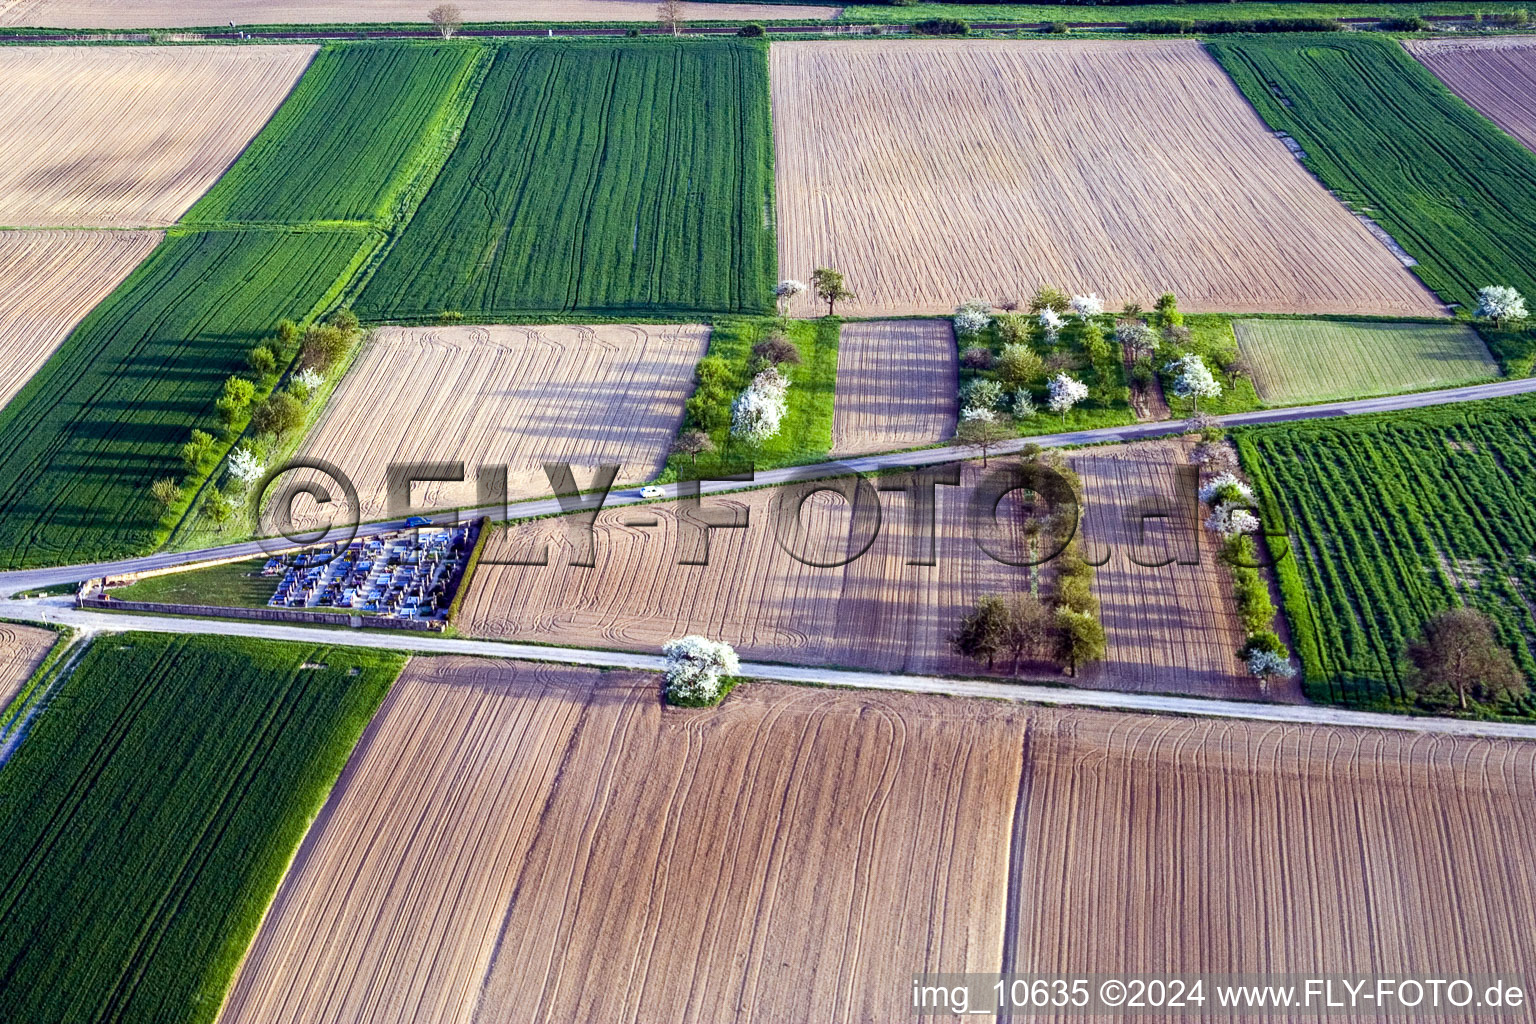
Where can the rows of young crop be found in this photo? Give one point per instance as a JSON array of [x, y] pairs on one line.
[[106, 416], [1377, 127], [1393, 519], [152, 811], [601, 179], [362, 125]]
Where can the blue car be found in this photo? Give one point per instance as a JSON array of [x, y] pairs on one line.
[[418, 521]]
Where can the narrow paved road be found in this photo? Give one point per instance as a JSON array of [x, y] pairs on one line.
[[12, 582], [62, 610]]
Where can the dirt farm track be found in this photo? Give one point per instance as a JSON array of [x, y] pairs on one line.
[[1223, 216], [514, 842]]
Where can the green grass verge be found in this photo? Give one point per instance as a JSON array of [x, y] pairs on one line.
[[597, 177], [231, 585], [1304, 361], [805, 435], [361, 130], [107, 414], [1210, 336], [1380, 130], [1514, 348], [1392, 518], [152, 810], [887, 14]]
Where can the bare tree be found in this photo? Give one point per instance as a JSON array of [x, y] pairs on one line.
[[447, 18], [670, 14]]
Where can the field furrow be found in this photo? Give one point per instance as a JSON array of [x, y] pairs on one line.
[[129, 136], [1177, 187], [22, 649], [128, 14], [897, 386], [1497, 76]]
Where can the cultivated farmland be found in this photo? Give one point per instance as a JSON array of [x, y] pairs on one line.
[[1497, 76], [601, 178], [129, 136], [1389, 138], [1298, 361], [876, 612], [22, 649], [920, 220], [1171, 628], [159, 798], [1393, 519], [49, 280], [1167, 845], [128, 14], [106, 416], [515, 397], [375, 923], [364, 125], [896, 386]]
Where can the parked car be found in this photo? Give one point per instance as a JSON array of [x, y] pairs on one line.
[[418, 521], [652, 492]]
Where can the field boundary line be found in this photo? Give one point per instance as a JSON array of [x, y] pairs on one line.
[[62, 611]]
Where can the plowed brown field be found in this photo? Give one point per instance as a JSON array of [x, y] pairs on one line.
[[216, 13], [516, 397], [897, 386], [1157, 845], [1171, 628], [1125, 168], [792, 856], [49, 280], [129, 136], [876, 612], [1497, 76], [22, 649]]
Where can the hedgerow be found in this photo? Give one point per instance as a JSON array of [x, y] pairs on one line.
[[152, 810]]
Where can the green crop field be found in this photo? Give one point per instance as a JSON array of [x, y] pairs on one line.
[[1392, 519], [233, 584], [362, 128], [1085, 13], [106, 415], [152, 810], [1301, 361], [1378, 128], [594, 177]]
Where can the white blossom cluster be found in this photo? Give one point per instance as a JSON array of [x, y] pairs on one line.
[[972, 317], [1051, 322], [1193, 378], [982, 393], [1225, 487], [244, 467], [758, 410], [1268, 663], [1136, 336], [1065, 392], [1500, 302], [1087, 306], [787, 289], [1230, 500], [696, 667], [973, 413], [307, 381]]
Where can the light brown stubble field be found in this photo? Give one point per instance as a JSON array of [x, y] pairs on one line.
[[1158, 845], [49, 281], [513, 842], [22, 649], [129, 136], [1497, 76], [935, 171], [1171, 629], [897, 386], [515, 397], [125, 14]]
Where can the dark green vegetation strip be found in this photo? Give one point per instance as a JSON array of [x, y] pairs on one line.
[[1085, 13], [1392, 519], [597, 178], [106, 415], [151, 813], [357, 132], [1455, 191]]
